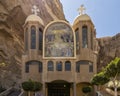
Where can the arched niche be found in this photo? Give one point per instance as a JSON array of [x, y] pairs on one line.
[[59, 41]]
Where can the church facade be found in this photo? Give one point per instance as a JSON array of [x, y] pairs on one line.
[[61, 56]]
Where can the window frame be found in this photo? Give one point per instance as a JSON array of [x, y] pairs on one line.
[[50, 66], [27, 65], [84, 36], [67, 66], [58, 66], [33, 37]]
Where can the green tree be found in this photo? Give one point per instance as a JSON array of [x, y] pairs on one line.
[[112, 71], [86, 90], [31, 86], [99, 79]]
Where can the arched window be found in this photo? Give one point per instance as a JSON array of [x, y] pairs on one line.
[[33, 37], [40, 39], [84, 37], [77, 41], [67, 66], [26, 40], [27, 65], [59, 66], [84, 62], [50, 66]]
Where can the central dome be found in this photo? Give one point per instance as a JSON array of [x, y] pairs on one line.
[[33, 18]]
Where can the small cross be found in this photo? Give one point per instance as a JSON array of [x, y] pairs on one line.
[[81, 9], [35, 10]]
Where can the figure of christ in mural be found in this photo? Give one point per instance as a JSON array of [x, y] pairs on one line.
[[58, 34]]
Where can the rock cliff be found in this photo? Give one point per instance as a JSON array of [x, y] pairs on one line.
[[12, 17], [109, 48]]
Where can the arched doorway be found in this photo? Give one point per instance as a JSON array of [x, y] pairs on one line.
[[59, 88]]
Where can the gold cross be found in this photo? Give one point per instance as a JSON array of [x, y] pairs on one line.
[[81, 10], [35, 10]]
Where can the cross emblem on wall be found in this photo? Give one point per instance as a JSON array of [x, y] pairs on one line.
[[81, 10], [35, 10]]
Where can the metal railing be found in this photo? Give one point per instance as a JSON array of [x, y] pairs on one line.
[[22, 94], [6, 92]]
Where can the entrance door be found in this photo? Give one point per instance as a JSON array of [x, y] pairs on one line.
[[58, 89]]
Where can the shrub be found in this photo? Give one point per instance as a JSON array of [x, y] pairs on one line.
[[37, 86], [87, 89], [31, 86], [27, 85]]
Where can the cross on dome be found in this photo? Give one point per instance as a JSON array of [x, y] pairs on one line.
[[35, 10], [81, 10]]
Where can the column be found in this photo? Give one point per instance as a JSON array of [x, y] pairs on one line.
[[44, 89], [44, 77], [63, 66], [74, 88], [71, 91]]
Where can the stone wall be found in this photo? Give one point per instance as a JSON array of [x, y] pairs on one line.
[[12, 17]]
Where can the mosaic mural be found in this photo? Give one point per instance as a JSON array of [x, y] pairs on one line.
[[59, 40]]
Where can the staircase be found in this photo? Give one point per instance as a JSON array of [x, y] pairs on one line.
[[14, 93], [10, 92]]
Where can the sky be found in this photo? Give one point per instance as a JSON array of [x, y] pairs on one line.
[[105, 14]]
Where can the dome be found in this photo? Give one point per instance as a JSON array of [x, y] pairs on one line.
[[34, 17], [83, 17]]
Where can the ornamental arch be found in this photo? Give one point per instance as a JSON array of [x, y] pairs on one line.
[[59, 40]]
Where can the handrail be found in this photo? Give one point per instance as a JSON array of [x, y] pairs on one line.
[[6, 92], [99, 94], [21, 94]]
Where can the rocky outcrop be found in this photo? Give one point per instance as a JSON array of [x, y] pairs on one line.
[[12, 17], [109, 48]]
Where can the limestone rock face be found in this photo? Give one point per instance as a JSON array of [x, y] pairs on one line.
[[109, 48], [12, 17]]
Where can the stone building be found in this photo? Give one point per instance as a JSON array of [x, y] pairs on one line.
[[61, 56]]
